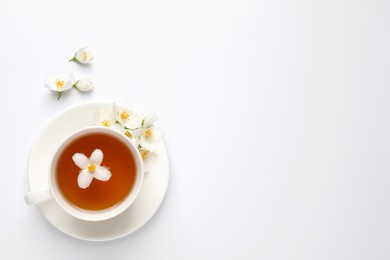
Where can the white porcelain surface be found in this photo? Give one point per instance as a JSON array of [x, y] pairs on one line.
[[148, 201]]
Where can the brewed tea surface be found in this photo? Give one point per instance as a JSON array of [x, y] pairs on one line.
[[99, 195]]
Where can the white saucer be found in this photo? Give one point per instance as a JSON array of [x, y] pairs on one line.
[[151, 196]]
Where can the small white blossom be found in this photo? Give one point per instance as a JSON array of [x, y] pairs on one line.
[[83, 55], [146, 154], [58, 84], [90, 168], [108, 119], [147, 134], [84, 85], [105, 118], [127, 117]]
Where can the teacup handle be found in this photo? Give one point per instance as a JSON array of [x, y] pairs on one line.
[[35, 197]]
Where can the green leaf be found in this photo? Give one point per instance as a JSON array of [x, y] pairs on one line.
[[75, 85], [74, 59]]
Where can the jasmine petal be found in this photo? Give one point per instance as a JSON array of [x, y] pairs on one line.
[[80, 160], [96, 157], [149, 120], [102, 173], [84, 179]]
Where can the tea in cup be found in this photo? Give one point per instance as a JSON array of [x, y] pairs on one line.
[[95, 174]]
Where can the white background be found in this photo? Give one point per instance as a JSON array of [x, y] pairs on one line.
[[275, 115]]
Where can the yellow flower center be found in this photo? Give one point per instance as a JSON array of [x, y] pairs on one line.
[[59, 83], [128, 134], [91, 167], [85, 56], [144, 154], [124, 115], [148, 132], [106, 123]]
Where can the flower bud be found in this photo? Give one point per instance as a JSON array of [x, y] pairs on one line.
[[84, 85]]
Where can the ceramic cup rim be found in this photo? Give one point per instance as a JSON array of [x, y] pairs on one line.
[[96, 215]]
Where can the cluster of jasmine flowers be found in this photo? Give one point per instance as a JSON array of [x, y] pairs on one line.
[[60, 84], [139, 129]]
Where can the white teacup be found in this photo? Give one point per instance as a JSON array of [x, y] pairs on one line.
[[53, 190]]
